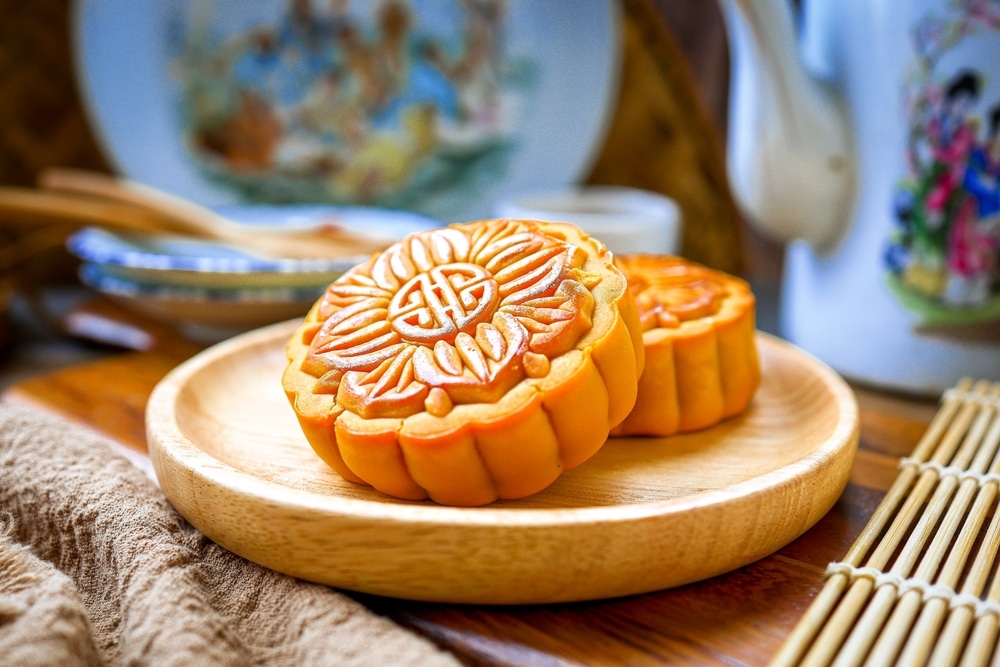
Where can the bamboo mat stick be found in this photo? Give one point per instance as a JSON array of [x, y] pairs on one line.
[[872, 622], [911, 604], [983, 640], [928, 640], [842, 621], [977, 652], [928, 540], [819, 611], [903, 607], [829, 619], [866, 630], [960, 618], [927, 635]]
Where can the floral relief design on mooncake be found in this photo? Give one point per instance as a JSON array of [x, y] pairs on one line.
[[674, 292], [450, 312], [512, 346]]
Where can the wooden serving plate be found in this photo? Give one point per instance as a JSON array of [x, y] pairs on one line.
[[643, 514]]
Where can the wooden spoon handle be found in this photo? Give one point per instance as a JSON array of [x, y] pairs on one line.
[[186, 215], [24, 205], [189, 218]]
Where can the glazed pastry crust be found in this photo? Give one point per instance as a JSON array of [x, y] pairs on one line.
[[468, 364], [699, 333]]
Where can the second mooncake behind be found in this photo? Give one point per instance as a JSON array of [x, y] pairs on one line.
[[699, 335]]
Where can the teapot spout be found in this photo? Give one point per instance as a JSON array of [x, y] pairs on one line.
[[790, 148]]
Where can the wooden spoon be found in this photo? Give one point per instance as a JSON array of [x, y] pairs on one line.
[[28, 206], [181, 216]]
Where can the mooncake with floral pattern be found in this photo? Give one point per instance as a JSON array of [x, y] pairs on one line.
[[468, 363]]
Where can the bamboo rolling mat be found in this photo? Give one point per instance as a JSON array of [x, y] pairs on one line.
[[921, 583]]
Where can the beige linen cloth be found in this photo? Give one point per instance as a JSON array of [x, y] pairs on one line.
[[97, 568]]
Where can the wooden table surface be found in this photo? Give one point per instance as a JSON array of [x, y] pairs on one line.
[[740, 618]]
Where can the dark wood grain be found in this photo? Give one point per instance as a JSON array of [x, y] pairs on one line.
[[738, 618], [108, 395]]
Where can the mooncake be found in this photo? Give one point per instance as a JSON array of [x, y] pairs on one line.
[[698, 327], [468, 363]]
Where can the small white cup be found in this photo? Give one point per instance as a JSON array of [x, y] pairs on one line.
[[626, 220]]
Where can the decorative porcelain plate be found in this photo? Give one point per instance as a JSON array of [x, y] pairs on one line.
[[437, 106], [179, 261], [206, 315], [641, 515]]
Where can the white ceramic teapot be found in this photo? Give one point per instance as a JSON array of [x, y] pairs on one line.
[[872, 146]]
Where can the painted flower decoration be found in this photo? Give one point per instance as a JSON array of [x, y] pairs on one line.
[[450, 332], [983, 12]]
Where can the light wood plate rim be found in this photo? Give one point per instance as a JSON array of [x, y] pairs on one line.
[[171, 451]]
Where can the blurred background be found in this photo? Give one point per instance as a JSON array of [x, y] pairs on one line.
[[664, 133]]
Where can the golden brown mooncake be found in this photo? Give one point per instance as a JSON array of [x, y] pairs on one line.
[[699, 334], [468, 363]]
